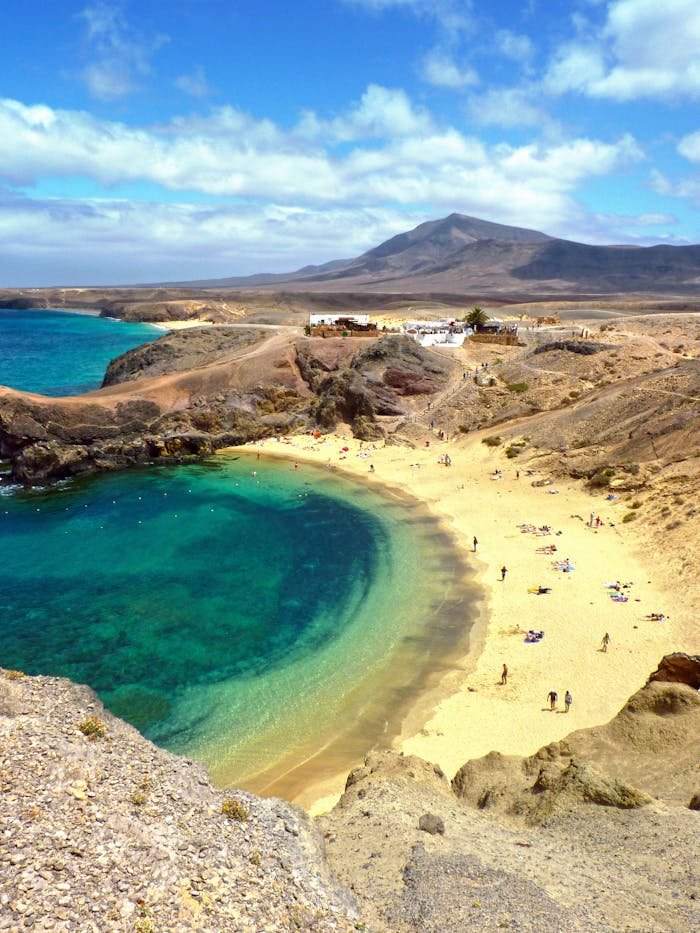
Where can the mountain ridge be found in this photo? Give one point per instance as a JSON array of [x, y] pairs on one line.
[[459, 252]]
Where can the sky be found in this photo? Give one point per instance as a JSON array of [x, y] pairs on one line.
[[150, 141]]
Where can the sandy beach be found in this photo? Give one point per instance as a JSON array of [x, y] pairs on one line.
[[472, 712]]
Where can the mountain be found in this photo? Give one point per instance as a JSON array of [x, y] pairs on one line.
[[461, 254]]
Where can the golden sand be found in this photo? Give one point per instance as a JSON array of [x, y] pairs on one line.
[[473, 713]]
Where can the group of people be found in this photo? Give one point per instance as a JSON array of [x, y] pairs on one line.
[[553, 696]]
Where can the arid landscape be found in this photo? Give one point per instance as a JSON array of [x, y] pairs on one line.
[[486, 813]]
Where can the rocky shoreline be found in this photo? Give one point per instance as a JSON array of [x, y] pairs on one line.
[[191, 393]]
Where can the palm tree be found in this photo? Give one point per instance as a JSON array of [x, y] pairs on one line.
[[476, 318]]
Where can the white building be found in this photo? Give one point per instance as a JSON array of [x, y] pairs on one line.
[[446, 333]]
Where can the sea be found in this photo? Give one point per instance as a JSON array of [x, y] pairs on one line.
[[275, 622]]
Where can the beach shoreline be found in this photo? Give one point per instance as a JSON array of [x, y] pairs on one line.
[[469, 712]]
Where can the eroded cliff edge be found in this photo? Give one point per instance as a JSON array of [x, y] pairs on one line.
[[191, 393]]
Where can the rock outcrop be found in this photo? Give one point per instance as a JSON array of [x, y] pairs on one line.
[[193, 392], [624, 764], [678, 668], [181, 351], [100, 830], [592, 833]]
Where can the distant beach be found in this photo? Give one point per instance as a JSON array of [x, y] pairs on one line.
[[471, 712]]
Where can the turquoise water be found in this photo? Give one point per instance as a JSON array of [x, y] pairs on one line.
[[57, 353], [244, 612], [238, 618]]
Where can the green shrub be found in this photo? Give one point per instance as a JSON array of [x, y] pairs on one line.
[[582, 442], [493, 440], [518, 387], [93, 727], [574, 393], [629, 517], [234, 810], [513, 451], [602, 476]]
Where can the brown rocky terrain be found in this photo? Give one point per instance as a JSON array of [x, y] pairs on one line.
[[100, 830], [236, 388], [592, 833]]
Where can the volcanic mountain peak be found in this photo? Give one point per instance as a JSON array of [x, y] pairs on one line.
[[438, 238]]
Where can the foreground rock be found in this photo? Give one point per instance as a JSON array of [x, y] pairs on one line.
[[191, 393], [100, 830], [596, 833], [104, 831]]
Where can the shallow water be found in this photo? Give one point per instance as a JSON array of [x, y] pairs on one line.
[[57, 353], [248, 620], [274, 622]]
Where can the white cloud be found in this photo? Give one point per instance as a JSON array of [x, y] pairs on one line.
[[453, 16], [508, 107], [398, 156], [645, 49], [689, 147], [370, 167], [120, 57], [514, 45], [54, 242], [688, 188], [440, 69], [194, 84], [576, 67]]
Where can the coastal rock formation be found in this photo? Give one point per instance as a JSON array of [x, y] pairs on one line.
[[622, 764], [193, 392], [180, 351], [575, 837], [100, 830], [678, 668]]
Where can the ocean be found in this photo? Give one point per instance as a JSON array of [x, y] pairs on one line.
[[271, 621], [56, 353]]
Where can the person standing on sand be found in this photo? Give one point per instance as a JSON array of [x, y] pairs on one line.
[[504, 571], [552, 697], [475, 542], [568, 700], [504, 675], [605, 642]]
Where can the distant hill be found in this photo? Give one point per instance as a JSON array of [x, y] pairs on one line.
[[464, 254]]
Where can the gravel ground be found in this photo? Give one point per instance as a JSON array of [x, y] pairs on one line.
[[102, 833]]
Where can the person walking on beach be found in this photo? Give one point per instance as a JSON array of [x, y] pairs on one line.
[[504, 675], [604, 643], [552, 697], [475, 542], [568, 700], [504, 571]]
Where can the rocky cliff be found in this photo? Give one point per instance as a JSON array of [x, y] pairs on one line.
[[191, 393], [100, 830], [595, 833]]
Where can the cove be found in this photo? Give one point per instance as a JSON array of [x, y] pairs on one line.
[[243, 612]]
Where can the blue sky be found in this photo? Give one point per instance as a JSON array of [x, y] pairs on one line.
[[152, 141]]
